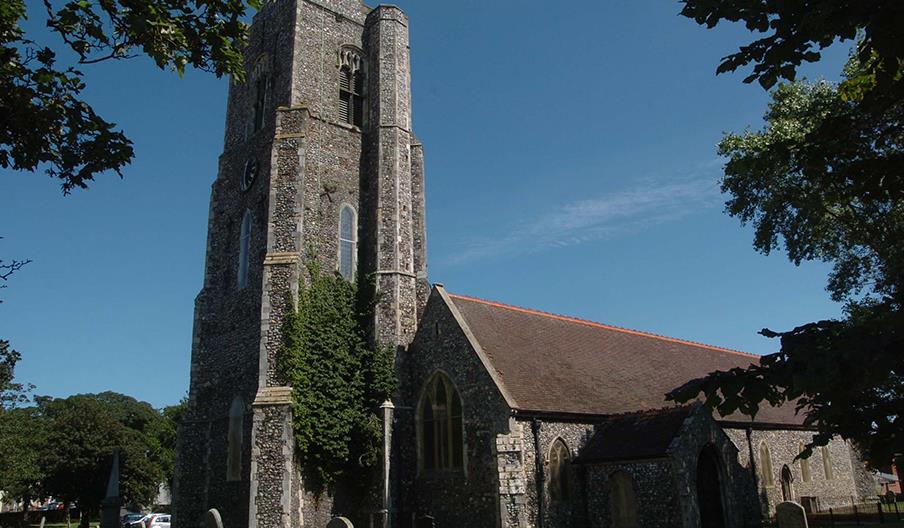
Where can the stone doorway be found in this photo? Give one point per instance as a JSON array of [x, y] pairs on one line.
[[787, 488], [709, 490]]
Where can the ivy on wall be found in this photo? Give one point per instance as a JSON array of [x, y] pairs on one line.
[[338, 380]]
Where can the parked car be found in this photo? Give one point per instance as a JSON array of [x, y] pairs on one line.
[[127, 519], [140, 522], [158, 520]]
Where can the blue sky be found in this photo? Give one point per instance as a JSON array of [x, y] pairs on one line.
[[570, 167]]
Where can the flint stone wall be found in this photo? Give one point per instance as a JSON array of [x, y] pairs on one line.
[[459, 498], [784, 447]]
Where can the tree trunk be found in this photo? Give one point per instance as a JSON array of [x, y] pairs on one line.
[[68, 519]]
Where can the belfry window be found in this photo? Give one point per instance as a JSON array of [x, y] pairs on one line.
[[244, 246], [234, 439], [559, 458], [766, 466], [441, 442], [351, 88], [347, 242]]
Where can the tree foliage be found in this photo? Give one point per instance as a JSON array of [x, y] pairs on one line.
[[338, 381], [46, 122], [22, 440], [82, 433], [794, 32], [824, 180], [64, 448], [164, 431]]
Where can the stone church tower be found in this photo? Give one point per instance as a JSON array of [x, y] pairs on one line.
[[319, 161]]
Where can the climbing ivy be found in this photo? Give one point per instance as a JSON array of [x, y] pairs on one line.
[[338, 380]]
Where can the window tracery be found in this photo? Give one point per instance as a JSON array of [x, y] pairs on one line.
[[559, 459], [441, 442]]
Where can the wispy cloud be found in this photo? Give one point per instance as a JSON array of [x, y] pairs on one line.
[[614, 214]]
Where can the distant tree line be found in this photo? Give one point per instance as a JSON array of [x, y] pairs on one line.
[[63, 447]]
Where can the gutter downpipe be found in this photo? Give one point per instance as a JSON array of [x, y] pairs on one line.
[[540, 473]]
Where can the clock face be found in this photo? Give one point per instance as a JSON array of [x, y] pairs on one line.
[[248, 174]]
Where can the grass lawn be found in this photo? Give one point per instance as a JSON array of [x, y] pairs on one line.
[[93, 524]]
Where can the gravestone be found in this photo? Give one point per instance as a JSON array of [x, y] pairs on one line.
[[339, 522], [212, 519], [790, 515]]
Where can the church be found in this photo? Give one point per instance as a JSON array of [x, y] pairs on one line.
[[505, 416]]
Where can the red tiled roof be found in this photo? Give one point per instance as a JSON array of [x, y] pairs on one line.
[[558, 364]]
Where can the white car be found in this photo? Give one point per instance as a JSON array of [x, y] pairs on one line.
[[152, 520], [158, 520]]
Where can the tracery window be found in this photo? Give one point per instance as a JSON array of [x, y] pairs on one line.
[[559, 458], [234, 439], [622, 500], [244, 246], [766, 466], [441, 440], [348, 241], [351, 87], [804, 465], [826, 462]]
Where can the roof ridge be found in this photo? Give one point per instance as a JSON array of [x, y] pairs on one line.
[[603, 326]]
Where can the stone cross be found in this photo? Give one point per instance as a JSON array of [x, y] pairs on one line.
[[790, 515]]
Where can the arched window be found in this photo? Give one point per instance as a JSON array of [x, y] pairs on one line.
[[787, 484], [351, 87], [804, 465], [234, 439], [244, 246], [826, 462], [441, 441], [348, 238], [622, 500], [766, 466], [260, 102], [557, 482]]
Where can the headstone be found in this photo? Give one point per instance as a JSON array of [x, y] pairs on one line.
[[790, 515], [212, 519], [111, 503], [339, 522]]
